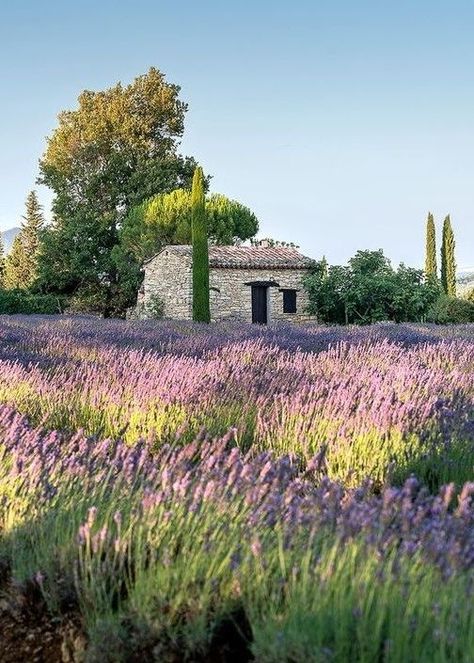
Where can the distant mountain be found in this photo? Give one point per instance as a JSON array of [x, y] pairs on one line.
[[468, 272], [8, 236], [465, 280]]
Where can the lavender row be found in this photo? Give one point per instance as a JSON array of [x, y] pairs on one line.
[[40, 469], [383, 401]]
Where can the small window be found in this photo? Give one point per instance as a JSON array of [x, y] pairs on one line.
[[289, 301]]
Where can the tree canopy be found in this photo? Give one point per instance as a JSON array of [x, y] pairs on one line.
[[166, 219], [116, 149]]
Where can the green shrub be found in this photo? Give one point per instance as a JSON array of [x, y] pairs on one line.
[[451, 310], [369, 290], [155, 308], [85, 301], [22, 301]]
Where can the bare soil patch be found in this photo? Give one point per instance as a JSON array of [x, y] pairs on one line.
[[29, 634]]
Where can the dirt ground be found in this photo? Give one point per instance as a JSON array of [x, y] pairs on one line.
[[29, 635]]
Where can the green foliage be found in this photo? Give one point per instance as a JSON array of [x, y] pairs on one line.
[[412, 294], [155, 308], [451, 310], [360, 614], [201, 311], [118, 148], [21, 264], [371, 287], [431, 267], [21, 301], [14, 263], [163, 219], [152, 310], [228, 221], [328, 293], [368, 290], [448, 261], [166, 219], [128, 279]]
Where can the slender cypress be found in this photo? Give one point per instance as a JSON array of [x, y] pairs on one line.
[[431, 267], [201, 312], [448, 261]]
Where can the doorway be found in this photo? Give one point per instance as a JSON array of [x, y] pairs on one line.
[[259, 304]]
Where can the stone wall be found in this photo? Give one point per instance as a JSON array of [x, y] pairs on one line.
[[168, 277], [233, 300]]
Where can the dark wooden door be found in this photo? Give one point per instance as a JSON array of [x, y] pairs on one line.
[[259, 304]]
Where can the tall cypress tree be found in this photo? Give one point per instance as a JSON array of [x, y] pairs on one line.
[[431, 267], [21, 265], [448, 261], [201, 311]]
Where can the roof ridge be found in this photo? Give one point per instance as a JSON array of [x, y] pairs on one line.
[[238, 256]]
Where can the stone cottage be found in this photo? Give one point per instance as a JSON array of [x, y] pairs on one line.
[[257, 284]]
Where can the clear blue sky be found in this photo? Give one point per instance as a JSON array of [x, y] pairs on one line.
[[339, 123]]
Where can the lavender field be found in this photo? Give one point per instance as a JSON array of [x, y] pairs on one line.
[[175, 492]]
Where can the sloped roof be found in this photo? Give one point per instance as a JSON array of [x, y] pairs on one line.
[[246, 257]]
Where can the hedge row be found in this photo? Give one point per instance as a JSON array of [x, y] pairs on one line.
[[20, 301]]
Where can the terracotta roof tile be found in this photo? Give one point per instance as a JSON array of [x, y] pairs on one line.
[[251, 257]]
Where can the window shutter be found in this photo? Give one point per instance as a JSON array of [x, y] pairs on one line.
[[289, 301]]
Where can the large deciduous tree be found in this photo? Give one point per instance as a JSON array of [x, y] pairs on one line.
[[448, 260], [431, 266], [117, 148], [21, 264], [201, 312]]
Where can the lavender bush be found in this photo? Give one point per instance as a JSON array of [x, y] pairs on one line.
[[384, 401], [168, 481]]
